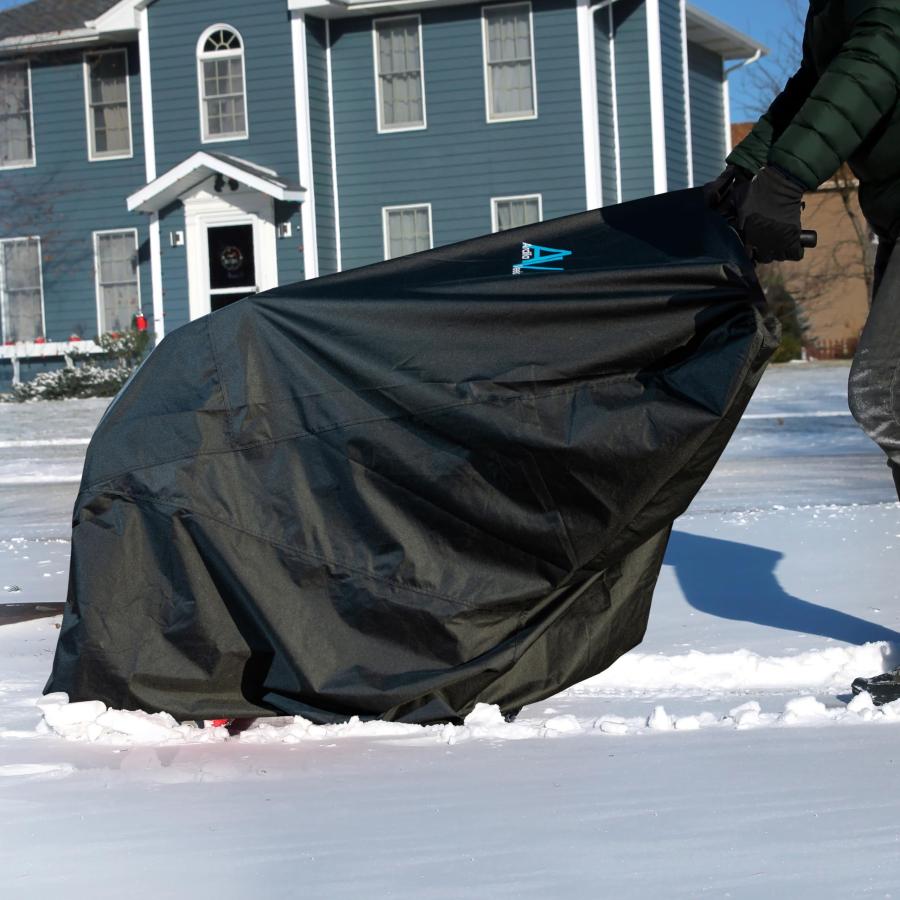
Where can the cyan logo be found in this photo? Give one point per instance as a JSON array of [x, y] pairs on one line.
[[537, 259]]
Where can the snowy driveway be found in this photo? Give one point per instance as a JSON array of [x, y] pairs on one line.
[[719, 759]]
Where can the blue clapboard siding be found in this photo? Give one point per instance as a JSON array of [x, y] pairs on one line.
[[320, 134], [633, 92], [460, 161], [174, 268], [605, 105], [264, 26], [671, 38], [65, 198], [707, 113]]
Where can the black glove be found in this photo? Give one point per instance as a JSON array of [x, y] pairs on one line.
[[728, 191], [769, 217]]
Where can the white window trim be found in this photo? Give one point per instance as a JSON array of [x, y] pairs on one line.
[[384, 226], [495, 224], [204, 130], [93, 156], [137, 269], [13, 240], [485, 67], [24, 165], [379, 109]]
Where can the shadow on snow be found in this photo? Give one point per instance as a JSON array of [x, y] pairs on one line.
[[738, 581]]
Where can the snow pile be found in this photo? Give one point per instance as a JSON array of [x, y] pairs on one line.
[[90, 720], [695, 672]]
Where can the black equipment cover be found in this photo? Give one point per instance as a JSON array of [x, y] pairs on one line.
[[406, 488]]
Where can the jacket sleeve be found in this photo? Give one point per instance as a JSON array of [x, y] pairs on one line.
[[859, 87], [753, 152]]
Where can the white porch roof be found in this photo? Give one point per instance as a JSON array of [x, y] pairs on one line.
[[201, 165]]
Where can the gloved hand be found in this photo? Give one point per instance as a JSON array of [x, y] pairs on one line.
[[726, 193], [769, 216]]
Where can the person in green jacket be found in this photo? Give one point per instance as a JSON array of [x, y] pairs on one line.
[[841, 106]]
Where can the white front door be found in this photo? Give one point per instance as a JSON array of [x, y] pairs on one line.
[[230, 238]]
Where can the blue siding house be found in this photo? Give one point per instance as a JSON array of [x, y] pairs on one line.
[[165, 157]]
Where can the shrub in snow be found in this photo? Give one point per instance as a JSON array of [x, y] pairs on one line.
[[77, 381]]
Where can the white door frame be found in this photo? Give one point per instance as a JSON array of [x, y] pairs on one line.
[[204, 208]]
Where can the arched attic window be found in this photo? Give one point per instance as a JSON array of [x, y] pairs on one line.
[[220, 70]]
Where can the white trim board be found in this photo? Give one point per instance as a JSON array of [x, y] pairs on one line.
[[590, 108], [308, 223], [686, 80], [336, 200], [615, 102], [657, 106]]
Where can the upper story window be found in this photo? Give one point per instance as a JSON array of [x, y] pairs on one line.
[[407, 229], [509, 62], [118, 286], [21, 290], [512, 212], [108, 104], [223, 95], [16, 124], [399, 73]]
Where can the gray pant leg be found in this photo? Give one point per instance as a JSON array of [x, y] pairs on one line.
[[875, 374]]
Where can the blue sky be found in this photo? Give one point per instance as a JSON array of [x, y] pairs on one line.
[[766, 20]]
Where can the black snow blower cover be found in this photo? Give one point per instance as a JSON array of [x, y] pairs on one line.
[[406, 488]]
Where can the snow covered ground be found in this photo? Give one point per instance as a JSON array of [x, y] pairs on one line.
[[719, 759]]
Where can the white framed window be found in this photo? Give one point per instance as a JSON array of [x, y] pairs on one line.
[[399, 73], [512, 212], [509, 73], [223, 85], [107, 104], [16, 117], [21, 290], [117, 277], [407, 229]]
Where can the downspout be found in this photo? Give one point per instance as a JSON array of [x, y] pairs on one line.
[[726, 93]]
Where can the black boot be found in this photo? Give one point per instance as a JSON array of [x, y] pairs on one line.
[[895, 469], [882, 688]]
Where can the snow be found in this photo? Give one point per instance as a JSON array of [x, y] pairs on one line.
[[724, 757]]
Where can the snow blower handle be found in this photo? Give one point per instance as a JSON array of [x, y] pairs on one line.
[[809, 239]]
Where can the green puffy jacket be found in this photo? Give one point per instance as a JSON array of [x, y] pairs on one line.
[[840, 106]]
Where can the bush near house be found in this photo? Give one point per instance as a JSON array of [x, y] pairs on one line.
[[123, 352]]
